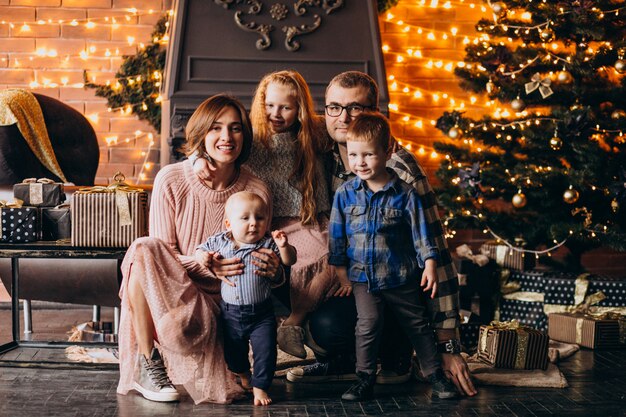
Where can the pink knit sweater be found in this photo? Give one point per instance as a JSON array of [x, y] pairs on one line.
[[184, 211]]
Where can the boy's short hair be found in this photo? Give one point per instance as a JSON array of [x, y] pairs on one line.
[[243, 196], [371, 127]]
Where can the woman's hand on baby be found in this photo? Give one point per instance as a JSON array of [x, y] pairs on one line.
[[267, 262], [203, 257], [223, 268]]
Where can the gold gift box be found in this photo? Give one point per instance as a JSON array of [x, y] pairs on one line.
[[507, 257]]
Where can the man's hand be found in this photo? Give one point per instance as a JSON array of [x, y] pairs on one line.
[[345, 287], [267, 262], [457, 371]]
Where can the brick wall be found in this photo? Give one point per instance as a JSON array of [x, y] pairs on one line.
[[25, 60]]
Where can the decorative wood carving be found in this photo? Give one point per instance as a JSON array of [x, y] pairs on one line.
[[279, 12]]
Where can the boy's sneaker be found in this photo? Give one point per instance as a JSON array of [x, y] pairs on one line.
[[318, 372], [152, 381], [441, 386], [362, 390]]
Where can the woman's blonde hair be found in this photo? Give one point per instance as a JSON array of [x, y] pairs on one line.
[[203, 118], [309, 128]]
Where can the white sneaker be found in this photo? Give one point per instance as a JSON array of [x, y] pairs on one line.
[[153, 382]]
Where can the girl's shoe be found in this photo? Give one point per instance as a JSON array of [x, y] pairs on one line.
[[291, 340]]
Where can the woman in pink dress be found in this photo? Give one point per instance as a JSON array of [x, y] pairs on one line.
[[169, 324]]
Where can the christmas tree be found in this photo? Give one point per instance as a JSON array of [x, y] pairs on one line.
[[548, 166], [139, 79]]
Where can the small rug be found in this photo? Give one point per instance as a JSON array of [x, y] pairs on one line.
[[110, 355], [484, 374]]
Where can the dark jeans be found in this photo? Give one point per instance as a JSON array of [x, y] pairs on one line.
[[333, 326], [409, 305], [253, 324]]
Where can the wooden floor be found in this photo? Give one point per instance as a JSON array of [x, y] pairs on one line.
[[597, 388]]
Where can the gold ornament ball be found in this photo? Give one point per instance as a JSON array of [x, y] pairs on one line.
[[546, 34], [556, 143], [519, 200], [620, 65], [518, 105], [570, 196], [618, 114], [455, 133], [614, 206], [564, 77]]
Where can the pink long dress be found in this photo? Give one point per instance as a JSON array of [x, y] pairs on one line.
[[180, 293]]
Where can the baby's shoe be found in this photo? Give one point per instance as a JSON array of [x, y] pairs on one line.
[[291, 340]]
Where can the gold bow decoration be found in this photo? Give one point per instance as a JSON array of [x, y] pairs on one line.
[[537, 83], [583, 304], [16, 203], [35, 188], [121, 189], [465, 252], [521, 350]]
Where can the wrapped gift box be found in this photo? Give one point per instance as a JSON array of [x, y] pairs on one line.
[[530, 281], [594, 332], [525, 307], [93, 331], [570, 290], [505, 345], [55, 223], [111, 216], [39, 194], [469, 335], [19, 224], [507, 257]]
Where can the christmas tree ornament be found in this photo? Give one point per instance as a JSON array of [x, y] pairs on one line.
[[620, 65], [564, 77], [537, 83], [498, 8], [618, 187], [618, 114], [519, 199], [455, 132], [570, 196], [491, 87], [556, 142], [469, 180], [518, 105], [614, 205], [546, 34]]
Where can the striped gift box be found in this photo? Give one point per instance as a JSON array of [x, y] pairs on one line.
[[112, 216], [508, 345]]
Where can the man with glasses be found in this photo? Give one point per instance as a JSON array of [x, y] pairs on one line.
[[331, 326]]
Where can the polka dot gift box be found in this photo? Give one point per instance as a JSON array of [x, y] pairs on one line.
[[19, 224], [570, 290]]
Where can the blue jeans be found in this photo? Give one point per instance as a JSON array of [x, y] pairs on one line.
[[254, 324]]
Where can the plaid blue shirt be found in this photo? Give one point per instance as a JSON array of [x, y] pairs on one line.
[[444, 308], [382, 237]]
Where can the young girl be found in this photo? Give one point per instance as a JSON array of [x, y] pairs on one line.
[[288, 137]]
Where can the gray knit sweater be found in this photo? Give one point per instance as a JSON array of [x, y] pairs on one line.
[[275, 165]]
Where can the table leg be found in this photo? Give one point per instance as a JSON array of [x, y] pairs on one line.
[[15, 298], [28, 317], [116, 319], [95, 317]]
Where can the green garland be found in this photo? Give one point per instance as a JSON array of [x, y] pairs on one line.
[[138, 82]]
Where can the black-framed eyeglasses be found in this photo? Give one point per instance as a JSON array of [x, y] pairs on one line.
[[353, 110]]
